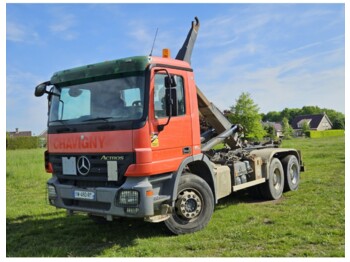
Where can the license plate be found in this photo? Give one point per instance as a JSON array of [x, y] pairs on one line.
[[80, 194]]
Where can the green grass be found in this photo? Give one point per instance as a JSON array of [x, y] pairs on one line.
[[307, 223]]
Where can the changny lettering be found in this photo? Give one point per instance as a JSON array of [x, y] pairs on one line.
[[77, 143]]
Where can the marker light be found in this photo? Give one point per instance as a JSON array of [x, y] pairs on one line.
[[149, 193], [51, 191], [166, 53], [132, 210]]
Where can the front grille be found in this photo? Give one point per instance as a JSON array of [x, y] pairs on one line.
[[87, 204], [97, 176]]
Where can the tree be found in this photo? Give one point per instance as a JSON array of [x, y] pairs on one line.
[[339, 123], [310, 110], [305, 127], [270, 131], [286, 129], [290, 113], [246, 113], [272, 116], [337, 118]]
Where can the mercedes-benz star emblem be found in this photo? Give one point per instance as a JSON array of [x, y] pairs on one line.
[[83, 165]]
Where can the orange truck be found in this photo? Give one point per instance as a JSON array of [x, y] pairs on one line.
[[124, 140]]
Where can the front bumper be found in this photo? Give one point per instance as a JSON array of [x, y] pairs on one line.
[[107, 201]]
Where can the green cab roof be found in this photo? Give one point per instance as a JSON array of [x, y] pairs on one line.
[[102, 70]]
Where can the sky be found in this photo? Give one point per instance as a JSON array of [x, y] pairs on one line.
[[283, 55]]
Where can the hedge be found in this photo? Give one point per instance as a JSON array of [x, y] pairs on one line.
[[325, 133], [25, 142]]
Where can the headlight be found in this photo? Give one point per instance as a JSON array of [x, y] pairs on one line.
[[51, 191], [128, 198]]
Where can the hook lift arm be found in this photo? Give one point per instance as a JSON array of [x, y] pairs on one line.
[[185, 52]]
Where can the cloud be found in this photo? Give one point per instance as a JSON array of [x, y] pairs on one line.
[[231, 28], [16, 32], [23, 109], [63, 25], [251, 51], [337, 40], [142, 35], [312, 15], [292, 84]]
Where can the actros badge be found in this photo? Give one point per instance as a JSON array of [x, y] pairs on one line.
[[83, 165]]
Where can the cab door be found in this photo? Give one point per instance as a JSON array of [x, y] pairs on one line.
[[174, 142]]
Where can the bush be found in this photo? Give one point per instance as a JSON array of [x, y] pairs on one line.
[[25, 142], [325, 133]]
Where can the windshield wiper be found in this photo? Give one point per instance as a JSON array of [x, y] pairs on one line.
[[98, 118]]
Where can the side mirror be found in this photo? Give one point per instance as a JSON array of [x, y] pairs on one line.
[[40, 89], [170, 105], [171, 101], [169, 81], [170, 97]]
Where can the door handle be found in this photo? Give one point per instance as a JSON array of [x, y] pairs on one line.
[[186, 150]]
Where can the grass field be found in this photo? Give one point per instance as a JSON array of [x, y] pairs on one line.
[[307, 223]]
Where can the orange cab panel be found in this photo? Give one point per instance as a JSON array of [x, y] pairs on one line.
[[91, 142]]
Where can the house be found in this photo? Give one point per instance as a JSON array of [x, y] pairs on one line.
[[18, 133], [277, 127], [317, 122]]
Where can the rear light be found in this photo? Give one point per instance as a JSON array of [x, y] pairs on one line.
[[48, 165]]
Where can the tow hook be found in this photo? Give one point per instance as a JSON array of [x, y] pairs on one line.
[[165, 212]]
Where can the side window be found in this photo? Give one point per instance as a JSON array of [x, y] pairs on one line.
[[159, 96]]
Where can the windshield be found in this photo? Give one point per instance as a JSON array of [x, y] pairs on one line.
[[120, 99]]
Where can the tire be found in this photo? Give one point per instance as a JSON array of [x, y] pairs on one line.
[[272, 189], [291, 169], [194, 206]]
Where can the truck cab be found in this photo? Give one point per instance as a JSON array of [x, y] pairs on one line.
[[117, 131]]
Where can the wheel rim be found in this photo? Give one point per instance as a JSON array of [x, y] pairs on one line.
[[293, 174], [189, 204], [277, 179]]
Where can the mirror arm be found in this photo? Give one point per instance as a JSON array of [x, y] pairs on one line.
[[161, 127]]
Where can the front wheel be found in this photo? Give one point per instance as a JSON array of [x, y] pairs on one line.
[[194, 206]]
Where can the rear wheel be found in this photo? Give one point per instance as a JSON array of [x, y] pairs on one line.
[[194, 206], [291, 169], [272, 189]]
